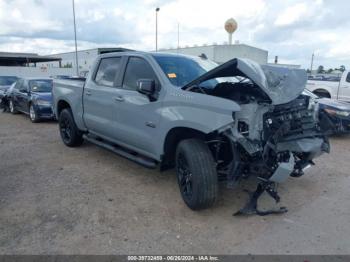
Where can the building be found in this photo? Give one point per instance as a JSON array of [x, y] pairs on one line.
[[85, 58], [218, 53], [29, 64], [290, 66], [222, 53]]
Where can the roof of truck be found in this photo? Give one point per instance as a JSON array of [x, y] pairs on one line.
[[153, 54], [36, 78]]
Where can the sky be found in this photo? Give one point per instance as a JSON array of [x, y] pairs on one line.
[[290, 29]]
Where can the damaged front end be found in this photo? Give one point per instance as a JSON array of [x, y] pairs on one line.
[[276, 134], [289, 141]]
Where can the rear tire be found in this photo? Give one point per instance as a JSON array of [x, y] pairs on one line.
[[12, 107], [70, 134], [196, 174]]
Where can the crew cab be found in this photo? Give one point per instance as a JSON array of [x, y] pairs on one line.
[[210, 122], [339, 90]]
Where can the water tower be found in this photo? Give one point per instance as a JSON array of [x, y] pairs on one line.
[[230, 27]]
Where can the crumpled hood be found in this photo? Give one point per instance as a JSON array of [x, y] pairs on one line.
[[281, 85]]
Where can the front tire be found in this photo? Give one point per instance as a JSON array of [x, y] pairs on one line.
[[70, 134], [196, 174], [33, 115], [12, 107]]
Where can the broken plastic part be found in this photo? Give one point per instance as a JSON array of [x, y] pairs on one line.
[[251, 208], [283, 170]]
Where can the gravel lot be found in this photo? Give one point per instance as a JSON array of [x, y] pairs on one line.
[[86, 200]]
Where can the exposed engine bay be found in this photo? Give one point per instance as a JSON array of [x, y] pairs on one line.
[[269, 138]]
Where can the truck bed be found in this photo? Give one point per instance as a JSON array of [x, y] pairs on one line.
[[71, 91]]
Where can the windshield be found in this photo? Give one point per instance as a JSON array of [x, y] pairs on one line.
[[181, 70], [41, 86], [7, 80]]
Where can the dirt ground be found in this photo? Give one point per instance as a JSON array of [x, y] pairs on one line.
[[86, 200]]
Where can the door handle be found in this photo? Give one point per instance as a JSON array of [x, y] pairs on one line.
[[88, 93], [119, 99]]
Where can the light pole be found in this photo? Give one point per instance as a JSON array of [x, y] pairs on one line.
[[312, 63], [75, 39], [157, 10]]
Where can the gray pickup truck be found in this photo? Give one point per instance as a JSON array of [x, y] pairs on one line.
[[210, 122]]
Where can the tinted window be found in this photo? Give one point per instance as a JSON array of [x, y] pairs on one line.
[[40, 86], [348, 78], [107, 71], [7, 80], [18, 84], [137, 69]]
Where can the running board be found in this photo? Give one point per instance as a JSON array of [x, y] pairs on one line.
[[146, 162]]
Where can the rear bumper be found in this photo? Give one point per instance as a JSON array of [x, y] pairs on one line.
[[44, 112]]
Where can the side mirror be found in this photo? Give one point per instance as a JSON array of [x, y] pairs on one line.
[[146, 87]]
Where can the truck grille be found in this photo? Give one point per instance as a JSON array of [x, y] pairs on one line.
[[290, 120]]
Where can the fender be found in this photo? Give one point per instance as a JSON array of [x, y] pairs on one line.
[[196, 111]]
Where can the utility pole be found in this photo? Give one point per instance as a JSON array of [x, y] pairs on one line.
[[157, 10], [312, 62], [75, 40], [178, 36]]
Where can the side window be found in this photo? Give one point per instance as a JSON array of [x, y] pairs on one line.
[[137, 69], [18, 84], [348, 78], [107, 71]]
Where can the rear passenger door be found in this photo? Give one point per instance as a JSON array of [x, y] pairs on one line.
[[23, 97], [99, 98]]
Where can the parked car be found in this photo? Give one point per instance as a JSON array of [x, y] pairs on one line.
[[60, 76], [32, 96], [5, 83], [336, 114], [339, 90], [231, 121], [4, 100]]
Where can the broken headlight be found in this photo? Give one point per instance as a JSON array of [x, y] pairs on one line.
[[337, 112]]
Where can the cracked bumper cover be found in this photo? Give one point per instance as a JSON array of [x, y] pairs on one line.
[[314, 146]]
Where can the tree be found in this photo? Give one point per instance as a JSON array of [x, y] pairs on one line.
[[68, 65], [342, 68], [308, 71], [330, 70], [320, 69]]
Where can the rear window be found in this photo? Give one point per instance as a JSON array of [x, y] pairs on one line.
[[107, 71], [40, 86]]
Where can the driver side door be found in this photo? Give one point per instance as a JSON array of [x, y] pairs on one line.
[[138, 117]]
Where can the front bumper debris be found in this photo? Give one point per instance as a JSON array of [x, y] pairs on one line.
[[251, 208]]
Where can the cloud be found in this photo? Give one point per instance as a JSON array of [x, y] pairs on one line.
[[291, 29], [292, 14]]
